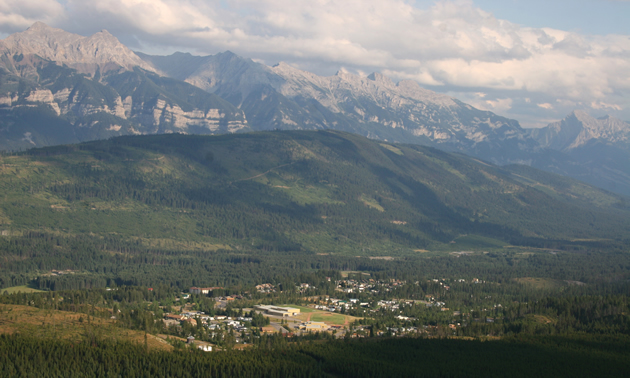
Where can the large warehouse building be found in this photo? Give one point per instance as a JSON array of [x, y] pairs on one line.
[[278, 311]]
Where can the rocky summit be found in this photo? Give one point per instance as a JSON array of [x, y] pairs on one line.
[[99, 52], [579, 128], [57, 87]]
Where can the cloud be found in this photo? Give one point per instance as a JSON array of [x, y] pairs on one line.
[[499, 105], [449, 46], [545, 105], [602, 105], [17, 15]]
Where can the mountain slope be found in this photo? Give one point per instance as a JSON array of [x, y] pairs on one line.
[[314, 192], [372, 106], [596, 151], [109, 92]]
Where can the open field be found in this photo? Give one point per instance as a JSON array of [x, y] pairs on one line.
[[331, 318], [344, 273], [22, 289], [48, 323], [541, 283], [327, 317]]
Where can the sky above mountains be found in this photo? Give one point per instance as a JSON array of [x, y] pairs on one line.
[[534, 61]]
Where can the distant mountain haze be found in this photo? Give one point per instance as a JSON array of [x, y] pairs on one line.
[[283, 97], [57, 87], [594, 150]]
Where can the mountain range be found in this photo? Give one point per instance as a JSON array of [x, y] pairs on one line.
[[57, 87]]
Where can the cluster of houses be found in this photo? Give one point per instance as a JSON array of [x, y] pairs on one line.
[[370, 285], [337, 305], [210, 322], [202, 290], [59, 272], [304, 287], [266, 288]]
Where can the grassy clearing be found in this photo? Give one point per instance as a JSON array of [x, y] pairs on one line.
[[393, 149], [18, 289], [37, 322], [330, 318], [472, 243], [328, 243], [541, 283], [345, 273], [298, 192], [183, 245], [543, 319], [371, 203]]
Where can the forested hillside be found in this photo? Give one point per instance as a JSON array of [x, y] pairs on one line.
[[295, 191], [235, 208]]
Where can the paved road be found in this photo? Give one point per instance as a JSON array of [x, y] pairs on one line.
[[279, 328]]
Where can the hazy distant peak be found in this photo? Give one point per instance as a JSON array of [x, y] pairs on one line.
[[228, 53], [581, 115], [579, 127], [344, 74], [281, 65], [39, 26], [101, 50], [380, 78]]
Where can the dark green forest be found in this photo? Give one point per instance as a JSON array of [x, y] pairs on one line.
[[511, 357], [548, 257]]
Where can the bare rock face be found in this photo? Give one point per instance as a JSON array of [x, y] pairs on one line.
[[578, 128], [101, 51]]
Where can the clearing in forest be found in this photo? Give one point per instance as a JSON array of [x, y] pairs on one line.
[[48, 323]]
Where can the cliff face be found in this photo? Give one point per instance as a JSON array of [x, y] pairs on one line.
[[97, 88]]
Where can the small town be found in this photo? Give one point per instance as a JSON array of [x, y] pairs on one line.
[[236, 321]]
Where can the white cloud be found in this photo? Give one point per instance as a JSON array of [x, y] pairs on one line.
[[17, 15], [599, 105], [499, 105], [452, 44], [545, 105]]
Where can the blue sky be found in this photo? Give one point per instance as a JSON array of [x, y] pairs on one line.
[[534, 61], [585, 16]]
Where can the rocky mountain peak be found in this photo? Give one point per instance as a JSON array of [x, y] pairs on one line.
[[381, 79], [344, 74], [578, 128], [581, 116], [38, 26], [86, 54]]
